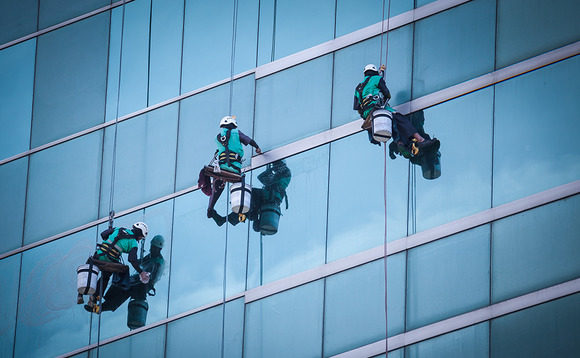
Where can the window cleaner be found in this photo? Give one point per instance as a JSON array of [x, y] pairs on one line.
[[226, 164], [372, 95]]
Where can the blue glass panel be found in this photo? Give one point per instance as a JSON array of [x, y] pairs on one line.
[[470, 342], [16, 83], [165, 55], [301, 24], [294, 103], [198, 335], [150, 343], [50, 322], [448, 277], [114, 322], [234, 328], [299, 244], [355, 305], [352, 15], [288, 324], [519, 36], [18, 19], [548, 330], [199, 124], [522, 170], [70, 83], [135, 59], [265, 31], [9, 267], [464, 127], [63, 187], [145, 159], [54, 11], [246, 35], [12, 198], [202, 35], [356, 207], [536, 249], [350, 62], [197, 254], [454, 46]]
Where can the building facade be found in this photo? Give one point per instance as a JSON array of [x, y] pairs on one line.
[[115, 106]]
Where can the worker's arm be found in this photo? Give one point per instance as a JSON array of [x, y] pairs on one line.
[[384, 89], [247, 140], [134, 261]]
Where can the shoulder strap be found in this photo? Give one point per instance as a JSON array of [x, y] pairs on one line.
[[362, 86]]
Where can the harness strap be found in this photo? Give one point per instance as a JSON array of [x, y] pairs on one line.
[[224, 140]]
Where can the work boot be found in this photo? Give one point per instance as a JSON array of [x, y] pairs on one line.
[[94, 309], [80, 299], [427, 143], [219, 220]]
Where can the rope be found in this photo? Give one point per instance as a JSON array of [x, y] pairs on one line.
[[385, 167], [232, 62]]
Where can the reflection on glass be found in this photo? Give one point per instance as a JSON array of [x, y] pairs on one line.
[[536, 249], [150, 343], [198, 335], [50, 323], [288, 324], [470, 342], [13, 195], [301, 238], [16, 84], [523, 168], [448, 277], [542, 331]]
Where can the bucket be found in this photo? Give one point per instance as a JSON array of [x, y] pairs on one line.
[[87, 279], [137, 313], [240, 199], [382, 125], [269, 218], [431, 165]]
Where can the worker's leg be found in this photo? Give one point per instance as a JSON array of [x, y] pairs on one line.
[[114, 298], [217, 189]]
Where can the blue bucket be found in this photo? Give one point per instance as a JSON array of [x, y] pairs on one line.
[[137, 313], [269, 218]]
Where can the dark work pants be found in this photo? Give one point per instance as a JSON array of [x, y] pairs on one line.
[[404, 127]]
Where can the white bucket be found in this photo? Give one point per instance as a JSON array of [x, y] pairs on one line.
[[236, 198], [382, 125], [87, 279]]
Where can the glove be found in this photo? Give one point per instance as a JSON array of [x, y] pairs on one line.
[[382, 68], [144, 276]]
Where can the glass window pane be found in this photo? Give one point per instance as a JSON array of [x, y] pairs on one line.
[[294, 103], [265, 30], [13, 196], [464, 127], [470, 342], [352, 15], [350, 62], [355, 305], [198, 334], [201, 35], [520, 37], [145, 159], [547, 330], [9, 299], [301, 24], [356, 216], [299, 244], [199, 124], [54, 11], [70, 82], [536, 249], [234, 328], [288, 324], [165, 55], [16, 83], [135, 59], [63, 187], [246, 36], [18, 19], [197, 254], [522, 170], [454, 46], [150, 343], [50, 322], [448, 277]]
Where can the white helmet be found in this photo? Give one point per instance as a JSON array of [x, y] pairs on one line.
[[370, 67], [141, 226], [227, 120]]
